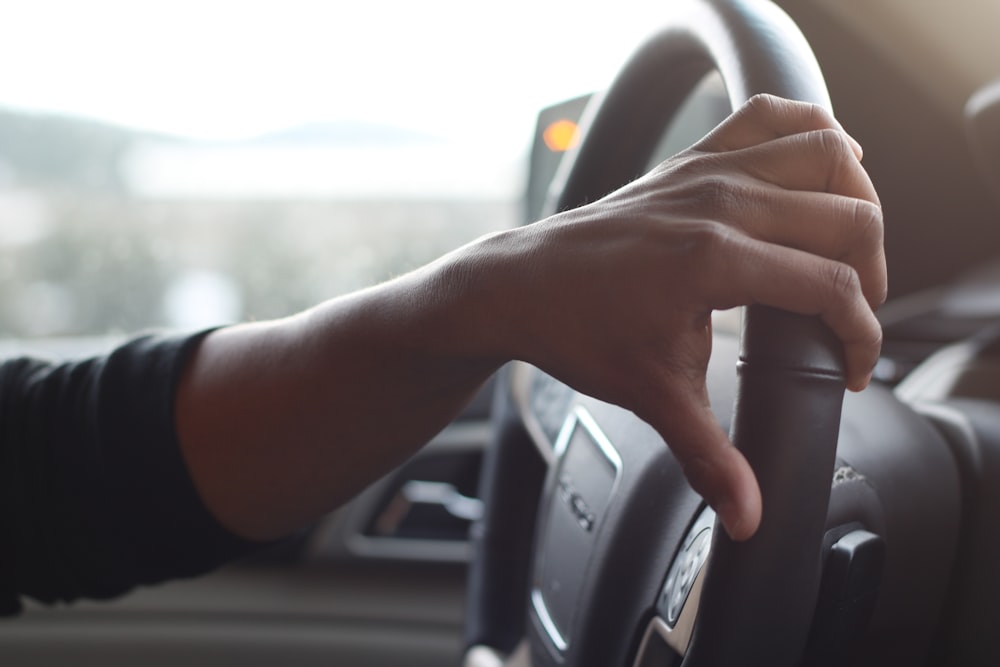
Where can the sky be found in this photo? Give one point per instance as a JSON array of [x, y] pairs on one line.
[[469, 72]]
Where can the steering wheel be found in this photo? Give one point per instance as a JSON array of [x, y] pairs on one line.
[[605, 535]]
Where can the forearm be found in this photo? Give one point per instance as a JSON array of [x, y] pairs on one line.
[[280, 422]]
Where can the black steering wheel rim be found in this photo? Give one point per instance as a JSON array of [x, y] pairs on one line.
[[757, 597]]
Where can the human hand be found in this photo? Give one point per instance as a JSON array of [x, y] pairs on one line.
[[772, 207]]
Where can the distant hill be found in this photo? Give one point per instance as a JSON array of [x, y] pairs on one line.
[[347, 133], [51, 150]]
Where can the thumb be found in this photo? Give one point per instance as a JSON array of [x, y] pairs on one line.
[[713, 466]]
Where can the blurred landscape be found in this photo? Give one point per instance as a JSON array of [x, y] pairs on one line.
[[106, 230]]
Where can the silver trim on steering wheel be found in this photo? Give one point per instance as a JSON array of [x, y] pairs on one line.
[[560, 489]]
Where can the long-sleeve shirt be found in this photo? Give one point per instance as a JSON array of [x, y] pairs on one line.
[[95, 497]]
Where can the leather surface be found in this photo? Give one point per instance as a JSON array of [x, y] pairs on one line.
[[788, 404], [789, 400]]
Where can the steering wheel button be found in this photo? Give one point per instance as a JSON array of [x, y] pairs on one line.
[[686, 566]]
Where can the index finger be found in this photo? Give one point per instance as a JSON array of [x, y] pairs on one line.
[[765, 118], [816, 160]]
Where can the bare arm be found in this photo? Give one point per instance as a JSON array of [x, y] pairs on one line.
[[282, 421]]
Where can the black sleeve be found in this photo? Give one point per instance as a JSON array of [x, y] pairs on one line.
[[96, 497]]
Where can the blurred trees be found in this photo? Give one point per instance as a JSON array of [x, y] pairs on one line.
[[81, 255]]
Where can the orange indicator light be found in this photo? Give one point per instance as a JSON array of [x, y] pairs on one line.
[[561, 135]]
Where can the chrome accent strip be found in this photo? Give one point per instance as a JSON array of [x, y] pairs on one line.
[[610, 453], [543, 616], [577, 416]]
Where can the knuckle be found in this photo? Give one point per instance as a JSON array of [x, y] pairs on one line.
[[705, 191], [710, 244], [870, 233], [719, 196], [867, 218], [818, 115], [761, 103], [831, 143], [843, 281], [713, 237], [835, 153], [813, 115]]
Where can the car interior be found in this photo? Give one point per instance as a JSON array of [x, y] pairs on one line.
[[545, 527]]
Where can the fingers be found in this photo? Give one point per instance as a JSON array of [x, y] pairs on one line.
[[841, 228], [817, 161], [800, 282], [764, 118], [807, 191], [715, 468]]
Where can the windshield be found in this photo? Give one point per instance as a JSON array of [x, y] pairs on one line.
[[187, 164]]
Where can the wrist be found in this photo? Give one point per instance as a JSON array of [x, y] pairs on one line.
[[476, 299]]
